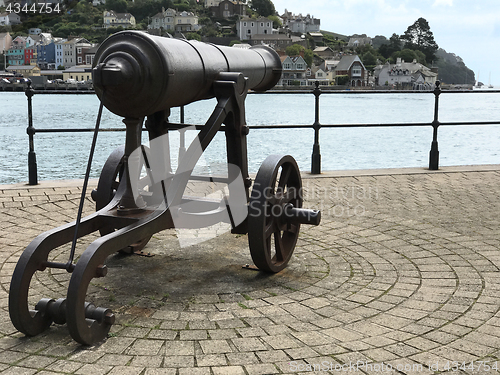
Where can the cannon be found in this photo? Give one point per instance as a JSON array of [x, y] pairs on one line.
[[140, 78]]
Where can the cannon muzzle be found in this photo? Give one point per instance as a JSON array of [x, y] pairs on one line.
[[136, 74]]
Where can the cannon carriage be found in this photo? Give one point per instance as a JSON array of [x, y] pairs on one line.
[[141, 77]]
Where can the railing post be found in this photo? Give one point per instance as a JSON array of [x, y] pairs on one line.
[[182, 134], [316, 156], [32, 168], [434, 154]]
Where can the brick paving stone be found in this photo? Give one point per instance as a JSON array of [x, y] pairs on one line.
[[241, 358], [228, 370], [260, 369], [281, 341], [215, 346], [195, 371], [178, 361], [90, 369], [248, 344], [414, 280], [203, 360], [126, 370]]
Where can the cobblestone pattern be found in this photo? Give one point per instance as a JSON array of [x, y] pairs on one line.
[[402, 272]]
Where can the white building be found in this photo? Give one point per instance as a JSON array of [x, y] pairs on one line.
[[405, 75], [9, 19], [171, 20], [294, 71], [301, 24], [186, 21], [163, 20], [59, 53], [212, 3], [246, 27], [113, 19], [73, 51]]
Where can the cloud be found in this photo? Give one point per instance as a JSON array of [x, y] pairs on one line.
[[443, 3]]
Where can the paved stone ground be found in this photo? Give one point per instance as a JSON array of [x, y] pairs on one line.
[[403, 272]]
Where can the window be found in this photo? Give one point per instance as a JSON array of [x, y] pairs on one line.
[[300, 66], [79, 60], [249, 31], [226, 6], [252, 24], [287, 66], [262, 24], [356, 71], [244, 24]]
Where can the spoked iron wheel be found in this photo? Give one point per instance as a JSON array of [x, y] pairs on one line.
[[110, 178], [276, 190]]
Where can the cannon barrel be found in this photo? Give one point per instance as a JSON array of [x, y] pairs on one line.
[[136, 74]]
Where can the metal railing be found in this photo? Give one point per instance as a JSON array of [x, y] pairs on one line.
[[316, 126]]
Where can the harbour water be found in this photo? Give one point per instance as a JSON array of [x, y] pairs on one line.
[[64, 155]]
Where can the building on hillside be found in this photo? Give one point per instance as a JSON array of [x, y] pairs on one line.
[[73, 51], [89, 54], [353, 67], [59, 53], [9, 19], [301, 24], [33, 40], [25, 70], [172, 21], [317, 38], [278, 42], [357, 41], [211, 3], [164, 20], [78, 73], [324, 52], [5, 41], [316, 74], [113, 19], [30, 55], [186, 21], [294, 71], [405, 75], [46, 56], [329, 65], [15, 56], [247, 27], [228, 8], [19, 42]]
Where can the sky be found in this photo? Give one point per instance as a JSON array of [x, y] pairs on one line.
[[468, 28]]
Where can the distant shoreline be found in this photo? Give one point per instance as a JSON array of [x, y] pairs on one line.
[[298, 90]]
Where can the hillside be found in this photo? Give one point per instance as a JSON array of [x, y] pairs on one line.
[[83, 19], [452, 69]]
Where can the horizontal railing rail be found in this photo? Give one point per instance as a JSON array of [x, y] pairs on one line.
[[316, 126]]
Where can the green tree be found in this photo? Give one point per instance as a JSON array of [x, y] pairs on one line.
[[369, 59], [419, 37], [119, 6], [308, 56], [276, 21], [394, 45], [297, 49], [193, 36], [408, 55], [294, 50], [264, 7]]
